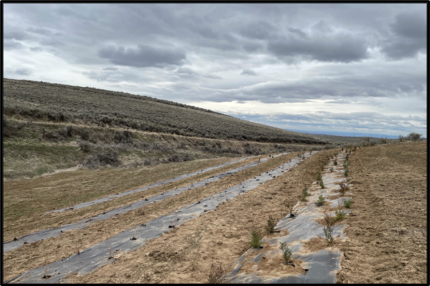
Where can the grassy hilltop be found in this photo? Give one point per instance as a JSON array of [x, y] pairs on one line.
[[48, 127], [65, 103]]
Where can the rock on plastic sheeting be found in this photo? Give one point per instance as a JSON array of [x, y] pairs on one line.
[[97, 255], [322, 265], [111, 197], [44, 234]]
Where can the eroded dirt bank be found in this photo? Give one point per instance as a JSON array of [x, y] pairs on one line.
[[387, 229]]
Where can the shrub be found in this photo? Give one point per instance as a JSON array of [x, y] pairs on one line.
[[346, 172], [147, 162], [335, 163], [270, 227], [329, 222], [340, 215], [414, 136], [51, 136], [348, 203], [286, 252], [331, 169], [175, 158], [322, 184], [343, 188], [110, 158], [85, 146], [215, 275], [98, 160], [8, 129], [401, 138], [321, 200], [123, 137], [255, 239], [65, 131], [319, 176], [85, 135]]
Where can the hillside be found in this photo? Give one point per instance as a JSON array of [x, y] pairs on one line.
[[84, 105]]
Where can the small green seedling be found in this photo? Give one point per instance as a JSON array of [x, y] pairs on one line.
[[331, 169], [286, 252], [270, 227], [319, 176], [322, 184], [340, 214], [255, 240], [290, 207], [346, 172], [305, 193], [329, 222], [321, 200], [348, 203]]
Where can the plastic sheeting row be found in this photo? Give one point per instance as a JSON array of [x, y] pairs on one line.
[[97, 255]]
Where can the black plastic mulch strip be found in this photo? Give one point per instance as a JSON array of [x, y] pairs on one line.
[[51, 232], [112, 197], [98, 255], [322, 265]]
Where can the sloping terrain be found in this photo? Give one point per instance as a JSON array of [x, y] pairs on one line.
[[34, 148], [64, 103]]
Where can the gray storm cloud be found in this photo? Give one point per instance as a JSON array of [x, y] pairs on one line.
[[210, 52], [143, 56]]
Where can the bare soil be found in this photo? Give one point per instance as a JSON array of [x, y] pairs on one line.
[[387, 230], [35, 254], [225, 234]]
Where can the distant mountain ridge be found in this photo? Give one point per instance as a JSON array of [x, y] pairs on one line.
[[66, 103]]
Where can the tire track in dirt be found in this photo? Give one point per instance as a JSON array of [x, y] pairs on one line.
[[95, 256]]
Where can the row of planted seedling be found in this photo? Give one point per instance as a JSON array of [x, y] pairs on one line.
[[329, 220]]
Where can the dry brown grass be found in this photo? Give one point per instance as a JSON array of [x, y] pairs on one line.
[[30, 256], [225, 234], [387, 230], [46, 193]]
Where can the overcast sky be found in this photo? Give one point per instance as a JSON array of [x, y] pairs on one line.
[[318, 68]]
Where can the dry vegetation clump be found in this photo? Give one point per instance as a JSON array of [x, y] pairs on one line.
[[329, 222], [215, 277]]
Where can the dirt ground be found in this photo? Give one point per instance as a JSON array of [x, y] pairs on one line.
[[43, 252], [387, 231], [185, 254]]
